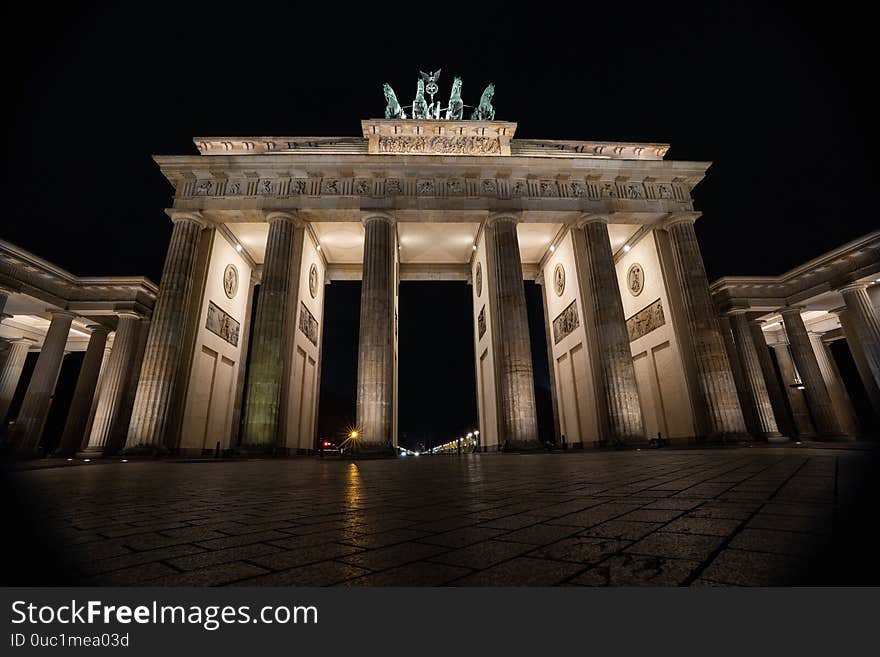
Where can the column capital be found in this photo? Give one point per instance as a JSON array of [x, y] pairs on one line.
[[61, 314], [94, 329], [498, 217], [129, 313], [852, 287], [679, 218], [369, 216], [193, 216], [838, 311], [791, 310], [291, 217], [589, 218]]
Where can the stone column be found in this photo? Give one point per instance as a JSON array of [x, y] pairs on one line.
[[163, 352], [718, 409], [110, 423], [864, 324], [872, 388], [81, 404], [375, 382], [742, 386], [808, 367], [11, 373], [771, 380], [840, 402], [108, 348], [29, 425], [753, 378], [620, 393], [513, 357], [273, 324], [797, 400]]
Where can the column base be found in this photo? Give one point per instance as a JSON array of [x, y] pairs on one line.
[[520, 446], [779, 438], [91, 453], [145, 451]]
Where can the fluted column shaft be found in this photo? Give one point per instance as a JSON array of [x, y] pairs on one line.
[[771, 381], [11, 373], [718, 403], [803, 422], [274, 320], [35, 407], [618, 376], [753, 377], [513, 364], [375, 382], [110, 423], [736, 369], [164, 343], [872, 388], [80, 405], [865, 324], [815, 390]]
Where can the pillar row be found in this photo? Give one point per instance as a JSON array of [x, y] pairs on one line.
[[375, 382], [162, 357], [718, 409], [816, 392], [617, 380], [513, 357], [753, 378], [10, 374], [273, 325], [81, 404], [28, 428], [111, 416]]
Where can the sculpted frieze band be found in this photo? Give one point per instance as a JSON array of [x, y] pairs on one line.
[[586, 188], [440, 145]]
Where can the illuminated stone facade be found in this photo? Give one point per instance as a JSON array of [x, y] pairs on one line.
[[635, 345]]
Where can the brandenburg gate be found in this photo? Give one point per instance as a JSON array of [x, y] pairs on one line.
[[607, 228]]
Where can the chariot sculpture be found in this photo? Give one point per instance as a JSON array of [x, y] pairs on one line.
[[434, 110]]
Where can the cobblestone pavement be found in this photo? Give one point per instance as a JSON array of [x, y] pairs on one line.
[[741, 516]]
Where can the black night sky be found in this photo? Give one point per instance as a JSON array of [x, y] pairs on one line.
[[775, 96]]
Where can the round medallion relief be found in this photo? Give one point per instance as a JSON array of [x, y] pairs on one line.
[[635, 279], [479, 279], [230, 280], [559, 280], [313, 281]]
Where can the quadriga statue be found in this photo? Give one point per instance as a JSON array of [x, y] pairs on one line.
[[420, 105], [484, 111], [393, 110], [455, 111]]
